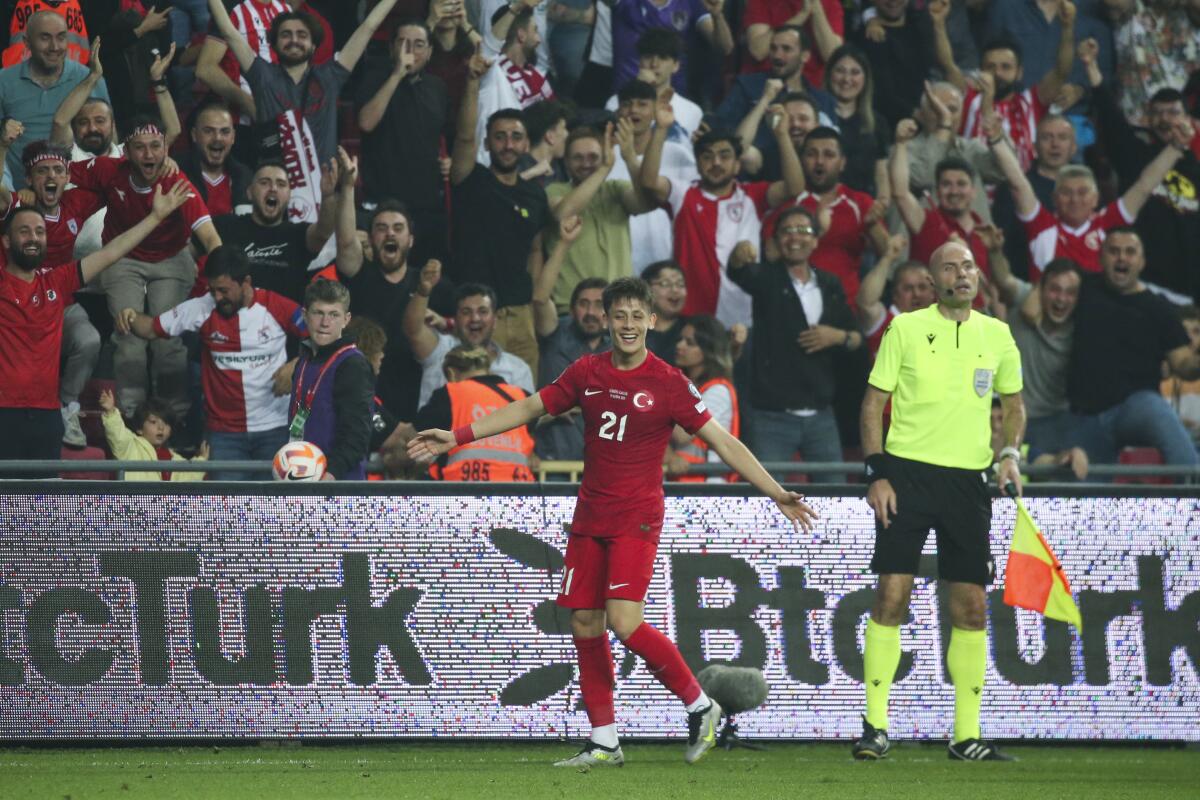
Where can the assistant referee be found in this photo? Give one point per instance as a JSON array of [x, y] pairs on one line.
[[939, 366]]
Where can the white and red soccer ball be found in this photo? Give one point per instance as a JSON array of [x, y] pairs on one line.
[[299, 461]]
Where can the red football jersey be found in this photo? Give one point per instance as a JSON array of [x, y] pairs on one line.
[[31, 323], [129, 204], [62, 229], [628, 416], [1050, 238]]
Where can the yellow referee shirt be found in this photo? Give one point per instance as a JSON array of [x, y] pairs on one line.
[[941, 375]]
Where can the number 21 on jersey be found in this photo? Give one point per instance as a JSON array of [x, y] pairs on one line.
[[610, 421]]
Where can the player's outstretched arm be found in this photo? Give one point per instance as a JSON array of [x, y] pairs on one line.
[[739, 457], [428, 445]]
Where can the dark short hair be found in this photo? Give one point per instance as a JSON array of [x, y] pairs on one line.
[[412, 22], [801, 97], [651, 273], [323, 290], [520, 22], [1167, 95], [583, 132], [627, 288], [272, 163], [12, 217], [474, 290], [391, 206], [715, 137], [369, 335], [1002, 42], [953, 164], [794, 210], [210, 103], [805, 44], [825, 132], [38, 149], [152, 406], [503, 114], [1128, 229], [542, 116], [227, 261], [315, 31], [1060, 266], [586, 284], [637, 90], [662, 42]]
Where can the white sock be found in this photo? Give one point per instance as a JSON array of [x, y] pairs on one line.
[[605, 736], [699, 704]]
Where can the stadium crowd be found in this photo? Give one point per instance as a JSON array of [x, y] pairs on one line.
[[474, 173]]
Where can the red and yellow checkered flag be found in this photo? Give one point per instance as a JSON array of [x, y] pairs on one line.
[[1034, 578]]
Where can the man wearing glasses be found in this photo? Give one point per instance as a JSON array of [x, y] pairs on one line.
[[811, 327]]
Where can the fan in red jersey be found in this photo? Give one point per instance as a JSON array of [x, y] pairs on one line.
[[631, 402], [32, 300]]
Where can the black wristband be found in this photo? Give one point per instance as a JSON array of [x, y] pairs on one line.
[[875, 468]]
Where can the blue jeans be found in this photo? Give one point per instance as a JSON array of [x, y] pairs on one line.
[[1143, 419], [778, 435], [1052, 433], [188, 17], [248, 446]]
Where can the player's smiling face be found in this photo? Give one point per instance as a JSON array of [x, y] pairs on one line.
[[48, 179], [628, 321]]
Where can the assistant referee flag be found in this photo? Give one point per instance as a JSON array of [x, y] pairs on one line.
[[1033, 578]]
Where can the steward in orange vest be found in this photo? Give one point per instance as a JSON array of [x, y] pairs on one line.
[[71, 12], [696, 451], [704, 353], [470, 394]]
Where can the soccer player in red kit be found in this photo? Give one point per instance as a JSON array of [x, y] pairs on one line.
[[631, 402]]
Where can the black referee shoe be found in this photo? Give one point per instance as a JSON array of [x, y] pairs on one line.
[[976, 750], [872, 745]]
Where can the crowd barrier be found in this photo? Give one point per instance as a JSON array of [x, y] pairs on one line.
[[427, 610]]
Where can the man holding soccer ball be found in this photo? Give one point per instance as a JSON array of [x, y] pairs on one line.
[[631, 402]]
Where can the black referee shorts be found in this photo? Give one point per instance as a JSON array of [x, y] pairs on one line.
[[955, 504]]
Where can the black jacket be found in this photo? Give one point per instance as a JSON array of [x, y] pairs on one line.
[[241, 175], [785, 377], [353, 401]]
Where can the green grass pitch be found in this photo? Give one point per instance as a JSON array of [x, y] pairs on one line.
[[497, 771]]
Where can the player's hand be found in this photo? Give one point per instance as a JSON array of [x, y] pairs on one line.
[[431, 273], [13, 130], [281, 381], [664, 115], [165, 203], [800, 513], [1009, 471], [108, 403], [428, 445], [881, 497], [124, 320], [161, 62], [821, 337], [743, 254]]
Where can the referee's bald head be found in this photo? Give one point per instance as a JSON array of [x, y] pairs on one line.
[[955, 274], [955, 249]]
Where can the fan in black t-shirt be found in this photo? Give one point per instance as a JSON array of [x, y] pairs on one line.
[[280, 250]]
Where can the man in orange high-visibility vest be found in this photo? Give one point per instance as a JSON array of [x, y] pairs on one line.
[[76, 38]]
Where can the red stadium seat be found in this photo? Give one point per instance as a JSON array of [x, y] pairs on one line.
[[1142, 455], [85, 454]]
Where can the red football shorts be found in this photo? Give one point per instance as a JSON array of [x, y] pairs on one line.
[[599, 569]]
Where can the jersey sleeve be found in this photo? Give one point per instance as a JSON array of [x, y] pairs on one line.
[[187, 316], [687, 405], [287, 313], [562, 394], [755, 14], [1038, 221], [84, 202], [886, 372], [757, 192], [1114, 215], [676, 195], [194, 211], [1008, 371], [93, 174], [66, 279]]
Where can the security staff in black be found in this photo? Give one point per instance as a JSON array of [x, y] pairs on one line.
[[939, 366]]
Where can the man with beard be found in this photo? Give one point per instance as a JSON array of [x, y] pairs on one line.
[[160, 272], [34, 89], [1075, 229], [278, 249], [811, 327], [380, 290], [295, 101], [788, 54], [954, 193], [514, 80], [605, 206], [498, 219], [848, 218], [1020, 109], [64, 212], [209, 164], [31, 322], [243, 338], [712, 214], [803, 116], [474, 325]]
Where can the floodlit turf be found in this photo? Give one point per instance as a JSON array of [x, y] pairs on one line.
[[522, 771]]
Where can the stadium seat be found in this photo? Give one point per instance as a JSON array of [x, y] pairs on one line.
[[85, 454], [1142, 455]]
